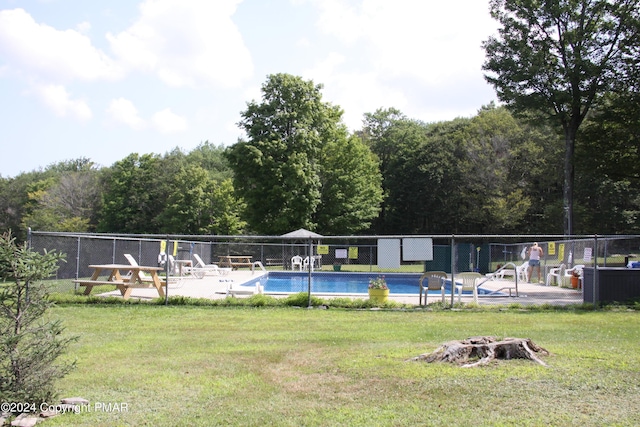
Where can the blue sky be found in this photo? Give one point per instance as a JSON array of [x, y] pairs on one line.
[[103, 80]]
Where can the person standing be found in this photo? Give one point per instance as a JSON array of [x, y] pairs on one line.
[[535, 254]]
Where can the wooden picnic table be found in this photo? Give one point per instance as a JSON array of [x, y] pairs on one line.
[[235, 261], [136, 277]]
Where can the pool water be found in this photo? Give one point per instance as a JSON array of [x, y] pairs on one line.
[[342, 283]]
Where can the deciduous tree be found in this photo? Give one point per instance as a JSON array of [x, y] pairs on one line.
[[278, 170], [132, 195], [560, 58], [351, 187]]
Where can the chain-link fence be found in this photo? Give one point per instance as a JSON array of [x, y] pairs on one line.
[[401, 254]]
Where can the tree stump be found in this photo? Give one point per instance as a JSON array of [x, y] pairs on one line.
[[478, 351]]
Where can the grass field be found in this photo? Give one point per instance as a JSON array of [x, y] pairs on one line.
[[204, 366]]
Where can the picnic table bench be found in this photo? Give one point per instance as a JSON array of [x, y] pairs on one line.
[[235, 261], [135, 278]]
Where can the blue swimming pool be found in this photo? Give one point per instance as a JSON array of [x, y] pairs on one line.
[[340, 283]]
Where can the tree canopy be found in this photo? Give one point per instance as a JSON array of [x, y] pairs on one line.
[[495, 172], [561, 58], [279, 170]]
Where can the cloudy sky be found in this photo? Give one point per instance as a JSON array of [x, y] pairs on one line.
[[104, 79]]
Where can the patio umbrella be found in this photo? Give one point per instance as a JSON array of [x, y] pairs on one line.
[[303, 234]]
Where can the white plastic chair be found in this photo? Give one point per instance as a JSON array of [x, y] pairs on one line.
[[173, 266], [467, 281], [557, 273], [523, 272], [307, 262], [568, 273], [296, 262]]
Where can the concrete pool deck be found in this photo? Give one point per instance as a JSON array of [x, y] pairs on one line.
[[215, 287]]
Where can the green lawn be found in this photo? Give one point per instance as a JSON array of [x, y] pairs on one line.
[[204, 366]]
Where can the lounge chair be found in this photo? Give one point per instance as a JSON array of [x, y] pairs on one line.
[[175, 282], [434, 283], [467, 281], [234, 290], [501, 273], [142, 275], [211, 269]]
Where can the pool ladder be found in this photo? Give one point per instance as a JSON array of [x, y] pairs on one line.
[[257, 264], [515, 268]]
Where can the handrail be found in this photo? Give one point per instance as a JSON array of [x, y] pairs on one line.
[[515, 268], [258, 264]]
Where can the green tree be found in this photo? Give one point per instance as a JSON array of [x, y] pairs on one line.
[[494, 179], [351, 187], [199, 205], [30, 344], [446, 202], [560, 58], [227, 210], [537, 169], [212, 159], [394, 139], [64, 202], [15, 201], [62, 197], [277, 170], [468, 175], [421, 165], [133, 195], [608, 167]]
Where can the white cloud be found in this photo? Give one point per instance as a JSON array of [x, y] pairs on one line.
[[425, 40], [190, 43], [167, 121], [303, 42], [45, 53], [252, 93], [58, 99], [423, 58], [123, 111], [84, 27], [355, 92]]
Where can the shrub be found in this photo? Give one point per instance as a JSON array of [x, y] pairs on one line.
[[30, 344], [301, 299]]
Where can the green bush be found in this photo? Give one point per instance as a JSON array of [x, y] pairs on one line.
[[301, 299], [30, 344]]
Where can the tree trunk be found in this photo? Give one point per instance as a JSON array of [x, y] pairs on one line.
[[567, 193], [478, 351]]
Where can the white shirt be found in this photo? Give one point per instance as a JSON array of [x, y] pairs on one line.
[[534, 254]]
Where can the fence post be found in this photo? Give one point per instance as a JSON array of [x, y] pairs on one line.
[[595, 270], [166, 272], [78, 247], [453, 266]]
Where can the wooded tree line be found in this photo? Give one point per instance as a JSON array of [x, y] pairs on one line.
[[561, 156], [491, 173]]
